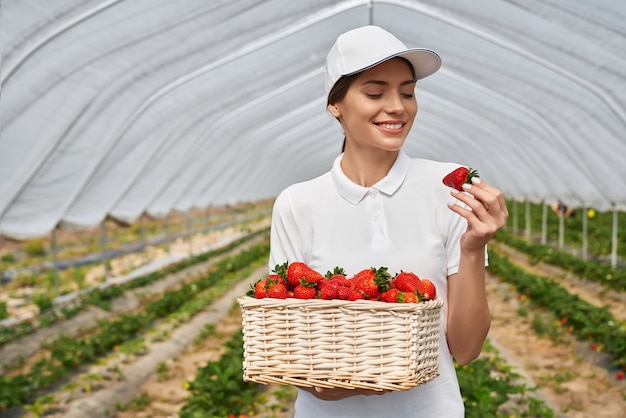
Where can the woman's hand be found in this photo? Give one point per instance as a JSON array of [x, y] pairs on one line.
[[335, 394], [487, 213]]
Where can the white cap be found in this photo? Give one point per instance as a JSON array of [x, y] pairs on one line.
[[367, 46]]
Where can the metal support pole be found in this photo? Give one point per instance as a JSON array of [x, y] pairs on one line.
[[515, 216], [103, 244], [190, 232], [561, 229], [585, 234], [55, 260], [528, 220], [544, 223], [168, 238], [614, 239]]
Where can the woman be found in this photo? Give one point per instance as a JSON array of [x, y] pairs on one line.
[[379, 207]]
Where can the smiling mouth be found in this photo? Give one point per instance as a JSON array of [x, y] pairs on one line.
[[391, 125]]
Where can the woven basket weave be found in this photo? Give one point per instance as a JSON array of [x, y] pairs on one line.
[[340, 344]]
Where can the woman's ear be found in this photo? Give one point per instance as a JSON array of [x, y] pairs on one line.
[[333, 109]]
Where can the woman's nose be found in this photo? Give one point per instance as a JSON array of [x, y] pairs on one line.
[[394, 104]]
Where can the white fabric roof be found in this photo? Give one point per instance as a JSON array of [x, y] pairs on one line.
[[118, 108]]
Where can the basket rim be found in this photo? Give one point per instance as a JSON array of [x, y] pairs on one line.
[[252, 302]]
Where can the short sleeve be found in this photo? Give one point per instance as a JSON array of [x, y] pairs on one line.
[[284, 234]]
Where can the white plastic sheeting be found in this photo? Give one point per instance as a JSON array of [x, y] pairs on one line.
[[124, 107]]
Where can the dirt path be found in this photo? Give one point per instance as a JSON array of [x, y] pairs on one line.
[[577, 387], [163, 395]]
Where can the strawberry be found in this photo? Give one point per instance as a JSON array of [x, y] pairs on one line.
[[343, 292], [322, 283], [619, 375], [260, 289], [277, 291], [337, 273], [430, 291], [277, 278], [355, 294], [457, 178], [330, 291], [408, 297], [390, 296], [298, 270], [305, 290], [408, 282], [372, 281]]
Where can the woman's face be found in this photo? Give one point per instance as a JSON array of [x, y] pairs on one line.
[[379, 107]]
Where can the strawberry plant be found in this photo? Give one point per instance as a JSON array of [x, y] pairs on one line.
[[587, 321], [488, 383], [218, 389], [601, 272]]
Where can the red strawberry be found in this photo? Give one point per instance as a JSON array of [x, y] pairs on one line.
[[277, 291], [408, 282], [430, 291], [337, 273], [298, 270], [330, 291], [457, 178], [619, 375], [322, 283], [390, 296], [343, 292], [305, 290], [260, 289], [372, 281], [277, 278], [407, 297], [355, 294]]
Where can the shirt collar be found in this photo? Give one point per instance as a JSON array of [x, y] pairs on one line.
[[388, 185]]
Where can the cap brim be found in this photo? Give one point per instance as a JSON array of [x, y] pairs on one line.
[[425, 62]]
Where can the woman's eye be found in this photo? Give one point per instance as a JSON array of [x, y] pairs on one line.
[[374, 95], [407, 95]]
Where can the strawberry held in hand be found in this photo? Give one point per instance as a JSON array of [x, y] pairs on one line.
[[457, 178]]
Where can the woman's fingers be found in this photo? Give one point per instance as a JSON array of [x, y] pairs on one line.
[[486, 210]]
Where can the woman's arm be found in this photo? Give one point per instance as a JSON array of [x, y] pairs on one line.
[[468, 309]]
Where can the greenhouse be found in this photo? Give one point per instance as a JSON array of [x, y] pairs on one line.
[[138, 136]]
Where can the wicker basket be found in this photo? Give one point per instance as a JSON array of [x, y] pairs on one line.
[[340, 344]]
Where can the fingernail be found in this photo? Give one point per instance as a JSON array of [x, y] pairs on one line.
[[475, 180], [467, 186], [454, 191]]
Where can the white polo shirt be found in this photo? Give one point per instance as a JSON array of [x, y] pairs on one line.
[[402, 223]]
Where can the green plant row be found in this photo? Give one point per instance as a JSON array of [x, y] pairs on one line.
[[67, 354], [489, 382], [103, 297], [218, 389], [586, 321], [601, 272]]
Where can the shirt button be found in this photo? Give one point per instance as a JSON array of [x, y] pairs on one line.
[[373, 194], [376, 217]]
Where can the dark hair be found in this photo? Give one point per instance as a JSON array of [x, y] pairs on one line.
[[340, 89]]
